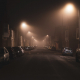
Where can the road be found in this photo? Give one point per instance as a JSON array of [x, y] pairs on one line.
[[41, 64]]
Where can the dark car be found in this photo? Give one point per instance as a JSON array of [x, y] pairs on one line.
[[4, 55], [77, 54], [33, 47], [12, 53], [53, 48], [18, 51], [28, 48]]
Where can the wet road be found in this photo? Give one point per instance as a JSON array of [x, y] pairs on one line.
[[41, 64]]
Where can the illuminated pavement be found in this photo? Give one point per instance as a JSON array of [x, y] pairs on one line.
[[41, 64]]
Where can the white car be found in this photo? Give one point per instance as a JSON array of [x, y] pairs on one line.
[[4, 55], [67, 51]]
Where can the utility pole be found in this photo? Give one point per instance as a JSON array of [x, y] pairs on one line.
[[79, 26]]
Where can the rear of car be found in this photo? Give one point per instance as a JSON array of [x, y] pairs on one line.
[[27, 48], [4, 55], [18, 51], [12, 53], [22, 50], [53, 49], [49, 48], [1, 55], [67, 51]]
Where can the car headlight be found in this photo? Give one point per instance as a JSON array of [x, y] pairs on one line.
[[18, 51]]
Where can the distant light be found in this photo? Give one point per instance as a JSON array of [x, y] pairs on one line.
[[47, 35], [69, 8], [32, 37], [23, 25], [29, 32]]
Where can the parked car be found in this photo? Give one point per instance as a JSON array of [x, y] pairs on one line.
[[18, 51], [53, 48], [22, 50], [12, 53], [67, 51], [46, 47], [77, 54], [32, 47], [4, 55], [23, 47], [28, 48], [49, 47]]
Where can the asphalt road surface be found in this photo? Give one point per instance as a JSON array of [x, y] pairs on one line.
[[41, 64]]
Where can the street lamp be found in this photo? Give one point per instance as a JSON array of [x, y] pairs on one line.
[[29, 37], [23, 27], [47, 35], [67, 9]]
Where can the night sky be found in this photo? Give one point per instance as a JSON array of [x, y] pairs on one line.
[[40, 15]]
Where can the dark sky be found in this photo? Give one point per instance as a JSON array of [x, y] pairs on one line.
[[39, 14]]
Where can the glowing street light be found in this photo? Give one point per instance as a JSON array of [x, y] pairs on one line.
[[29, 32], [23, 25], [47, 35], [69, 8]]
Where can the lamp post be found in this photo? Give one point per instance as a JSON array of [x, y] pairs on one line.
[[29, 37], [68, 9], [23, 27], [79, 25], [47, 40], [32, 38]]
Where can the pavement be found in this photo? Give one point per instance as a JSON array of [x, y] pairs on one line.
[[41, 64]]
